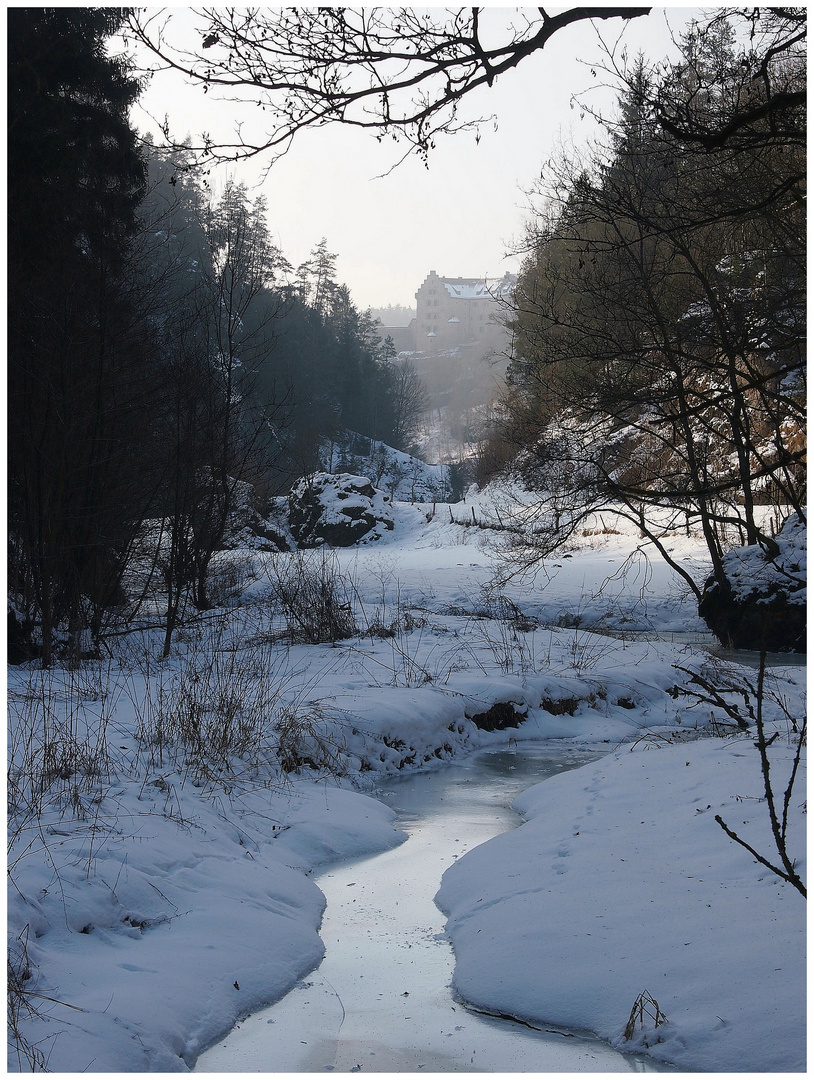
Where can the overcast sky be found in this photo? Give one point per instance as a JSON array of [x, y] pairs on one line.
[[462, 215]]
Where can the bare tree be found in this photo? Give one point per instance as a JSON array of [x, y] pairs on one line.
[[660, 323], [409, 401], [184, 429], [214, 310], [399, 72], [242, 265]]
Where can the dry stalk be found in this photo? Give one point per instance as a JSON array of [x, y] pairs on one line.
[[644, 1005]]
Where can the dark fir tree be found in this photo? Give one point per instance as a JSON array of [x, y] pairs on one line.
[[75, 178]]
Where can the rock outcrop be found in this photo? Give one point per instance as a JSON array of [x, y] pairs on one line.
[[339, 510], [763, 604]]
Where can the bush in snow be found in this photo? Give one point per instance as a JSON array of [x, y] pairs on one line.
[[314, 597]]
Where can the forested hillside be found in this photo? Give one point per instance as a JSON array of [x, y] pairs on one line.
[[162, 350], [660, 318]]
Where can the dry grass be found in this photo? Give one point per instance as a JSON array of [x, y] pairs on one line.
[[58, 747], [645, 1006], [21, 1005]]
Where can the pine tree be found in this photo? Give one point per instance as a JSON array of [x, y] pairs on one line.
[[75, 179]]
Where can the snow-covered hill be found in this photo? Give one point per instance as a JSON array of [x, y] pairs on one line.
[[399, 475]]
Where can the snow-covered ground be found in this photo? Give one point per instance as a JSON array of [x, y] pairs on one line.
[[157, 894]]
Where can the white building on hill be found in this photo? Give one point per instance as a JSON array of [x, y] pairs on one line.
[[460, 311], [456, 311]]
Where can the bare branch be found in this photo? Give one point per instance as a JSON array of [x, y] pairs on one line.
[[397, 72], [792, 878]]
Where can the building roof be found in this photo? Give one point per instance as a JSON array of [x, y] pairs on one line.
[[479, 288]]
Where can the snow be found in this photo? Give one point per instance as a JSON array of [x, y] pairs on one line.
[[621, 882], [479, 289], [749, 570], [157, 897]]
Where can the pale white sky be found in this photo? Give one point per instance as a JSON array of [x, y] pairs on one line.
[[461, 216]]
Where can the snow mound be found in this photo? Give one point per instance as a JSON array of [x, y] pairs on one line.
[[622, 882]]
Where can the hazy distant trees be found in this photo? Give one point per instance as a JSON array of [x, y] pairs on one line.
[[393, 315], [400, 72], [660, 316]]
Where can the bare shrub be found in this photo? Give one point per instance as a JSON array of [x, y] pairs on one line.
[[716, 692], [302, 740], [230, 573], [510, 647], [229, 708], [315, 597]]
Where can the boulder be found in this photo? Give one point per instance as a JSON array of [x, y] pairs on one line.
[[763, 603], [338, 510]]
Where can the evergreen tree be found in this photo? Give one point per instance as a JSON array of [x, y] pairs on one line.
[[316, 279], [75, 179]]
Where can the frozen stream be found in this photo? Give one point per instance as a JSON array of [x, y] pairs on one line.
[[381, 1000]]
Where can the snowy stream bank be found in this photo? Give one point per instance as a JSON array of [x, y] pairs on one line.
[[381, 1001], [156, 896]]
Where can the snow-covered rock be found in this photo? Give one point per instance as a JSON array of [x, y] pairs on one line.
[[765, 604], [402, 476], [337, 510]]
